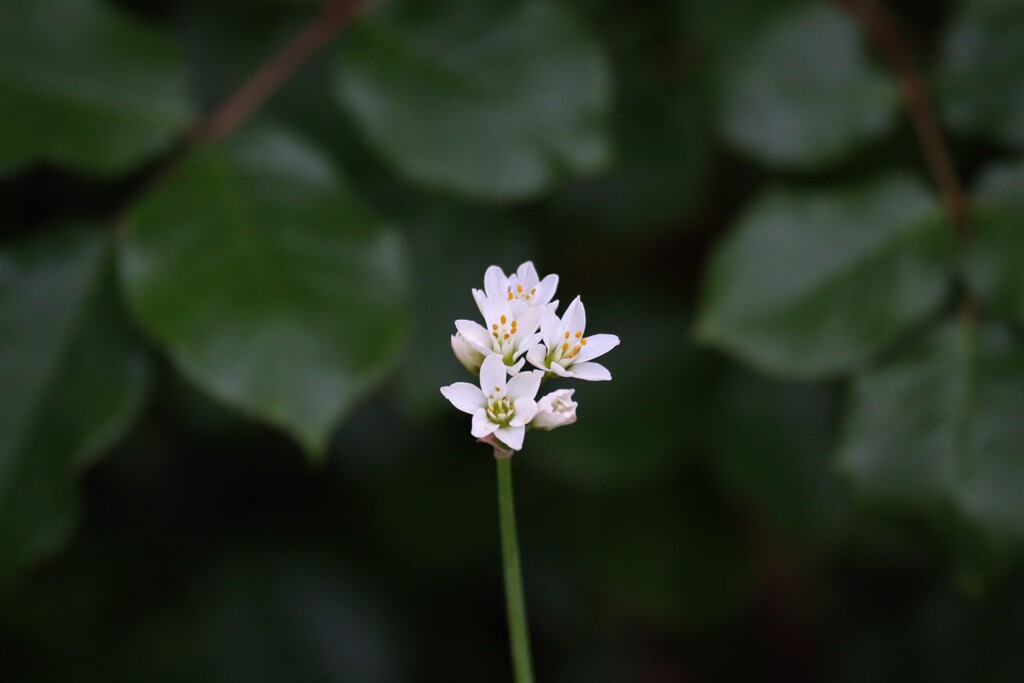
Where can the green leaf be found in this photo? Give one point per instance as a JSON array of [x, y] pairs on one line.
[[995, 252], [936, 430], [981, 77], [267, 282], [493, 100], [82, 85], [72, 379], [811, 285], [801, 92]]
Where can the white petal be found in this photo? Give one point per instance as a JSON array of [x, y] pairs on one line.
[[591, 372], [482, 426], [511, 436], [597, 345], [527, 344], [555, 410], [475, 334], [524, 384], [465, 397], [527, 275], [495, 309], [575, 318], [550, 326], [526, 408], [492, 375], [466, 353], [528, 320], [537, 355], [514, 369], [480, 298], [559, 370], [545, 290], [495, 282], [563, 395], [518, 308]]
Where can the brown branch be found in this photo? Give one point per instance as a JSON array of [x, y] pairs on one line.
[[917, 100], [276, 71]]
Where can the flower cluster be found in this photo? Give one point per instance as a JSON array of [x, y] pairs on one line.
[[521, 325]]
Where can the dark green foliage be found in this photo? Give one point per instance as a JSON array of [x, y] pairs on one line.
[[994, 256], [814, 284], [267, 282], [82, 85], [800, 92], [809, 464], [979, 82], [483, 98], [72, 380], [935, 429]]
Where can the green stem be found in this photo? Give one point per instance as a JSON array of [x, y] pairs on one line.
[[516, 605]]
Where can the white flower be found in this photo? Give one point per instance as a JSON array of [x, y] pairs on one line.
[[521, 289], [565, 351], [557, 409], [467, 355], [499, 408], [509, 334]]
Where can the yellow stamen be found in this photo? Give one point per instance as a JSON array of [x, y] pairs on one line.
[[565, 347], [519, 288], [566, 335], [583, 341], [503, 320], [510, 296]]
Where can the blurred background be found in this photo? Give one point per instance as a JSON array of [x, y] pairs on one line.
[[223, 452]]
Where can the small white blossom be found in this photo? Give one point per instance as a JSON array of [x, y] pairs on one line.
[[467, 355], [557, 409], [521, 289], [565, 351], [500, 407], [509, 332]]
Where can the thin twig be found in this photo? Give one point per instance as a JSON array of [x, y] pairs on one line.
[[266, 81], [917, 100], [276, 71]]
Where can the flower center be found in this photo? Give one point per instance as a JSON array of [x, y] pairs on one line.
[[568, 349], [504, 334], [500, 408], [517, 292], [561, 407]]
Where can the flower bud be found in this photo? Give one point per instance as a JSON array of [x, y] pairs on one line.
[[557, 409], [467, 355]]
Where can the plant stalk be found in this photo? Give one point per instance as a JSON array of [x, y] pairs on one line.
[[515, 603]]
